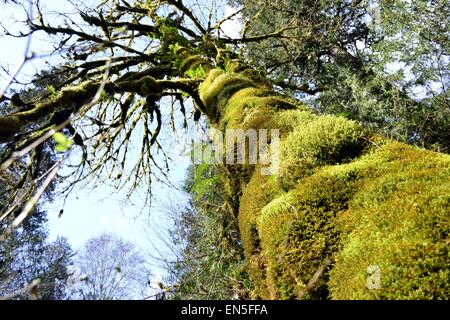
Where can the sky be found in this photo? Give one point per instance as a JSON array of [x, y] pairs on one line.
[[89, 212]]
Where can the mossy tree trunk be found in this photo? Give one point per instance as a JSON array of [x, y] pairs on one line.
[[345, 201]]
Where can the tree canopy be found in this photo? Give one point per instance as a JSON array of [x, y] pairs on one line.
[[384, 63]]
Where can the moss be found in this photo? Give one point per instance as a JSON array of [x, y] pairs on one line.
[[259, 191], [231, 87], [298, 230], [388, 208], [191, 62], [287, 120], [341, 193], [233, 65], [234, 178], [256, 77], [212, 75], [317, 141], [215, 93], [400, 222], [70, 98], [149, 85], [254, 108], [235, 108], [229, 95]]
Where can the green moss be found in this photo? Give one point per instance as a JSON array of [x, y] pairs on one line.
[[191, 62], [256, 77], [298, 230], [234, 178], [388, 208], [148, 86], [212, 75], [317, 141], [255, 108], [233, 65], [287, 120], [232, 86], [236, 105], [341, 193], [215, 93], [399, 221], [259, 191], [69, 98], [230, 95]]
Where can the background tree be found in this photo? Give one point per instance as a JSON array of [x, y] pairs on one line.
[[26, 255], [110, 269], [383, 63]]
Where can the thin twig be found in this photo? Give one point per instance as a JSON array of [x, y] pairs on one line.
[[34, 200], [24, 59], [313, 281]]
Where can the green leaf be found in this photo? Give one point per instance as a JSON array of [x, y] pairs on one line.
[[60, 148], [52, 90], [62, 142], [344, 114]]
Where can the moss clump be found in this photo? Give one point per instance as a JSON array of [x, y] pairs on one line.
[[71, 98], [234, 66], [191, 62], [236, 107], [232, 95], [149, 85], [298, 230], [255, 108], [400, 222], [317, 141], [212, 75], [287, 120], [216, 90], [387, 208], [234, 179], [8, 126], [256, 77], [341, 194], [259, 191]]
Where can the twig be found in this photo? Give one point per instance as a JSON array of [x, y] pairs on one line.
[[372, 142], [23, 61], [229, 17], [32, 202], [52, 173], [313, 281]]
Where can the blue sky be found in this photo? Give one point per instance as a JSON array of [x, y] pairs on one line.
[[88, 212]]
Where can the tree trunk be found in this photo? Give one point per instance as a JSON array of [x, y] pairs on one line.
[[341, 193]]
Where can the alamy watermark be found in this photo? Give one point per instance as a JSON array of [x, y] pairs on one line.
[[373, 277], [238, 146]]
